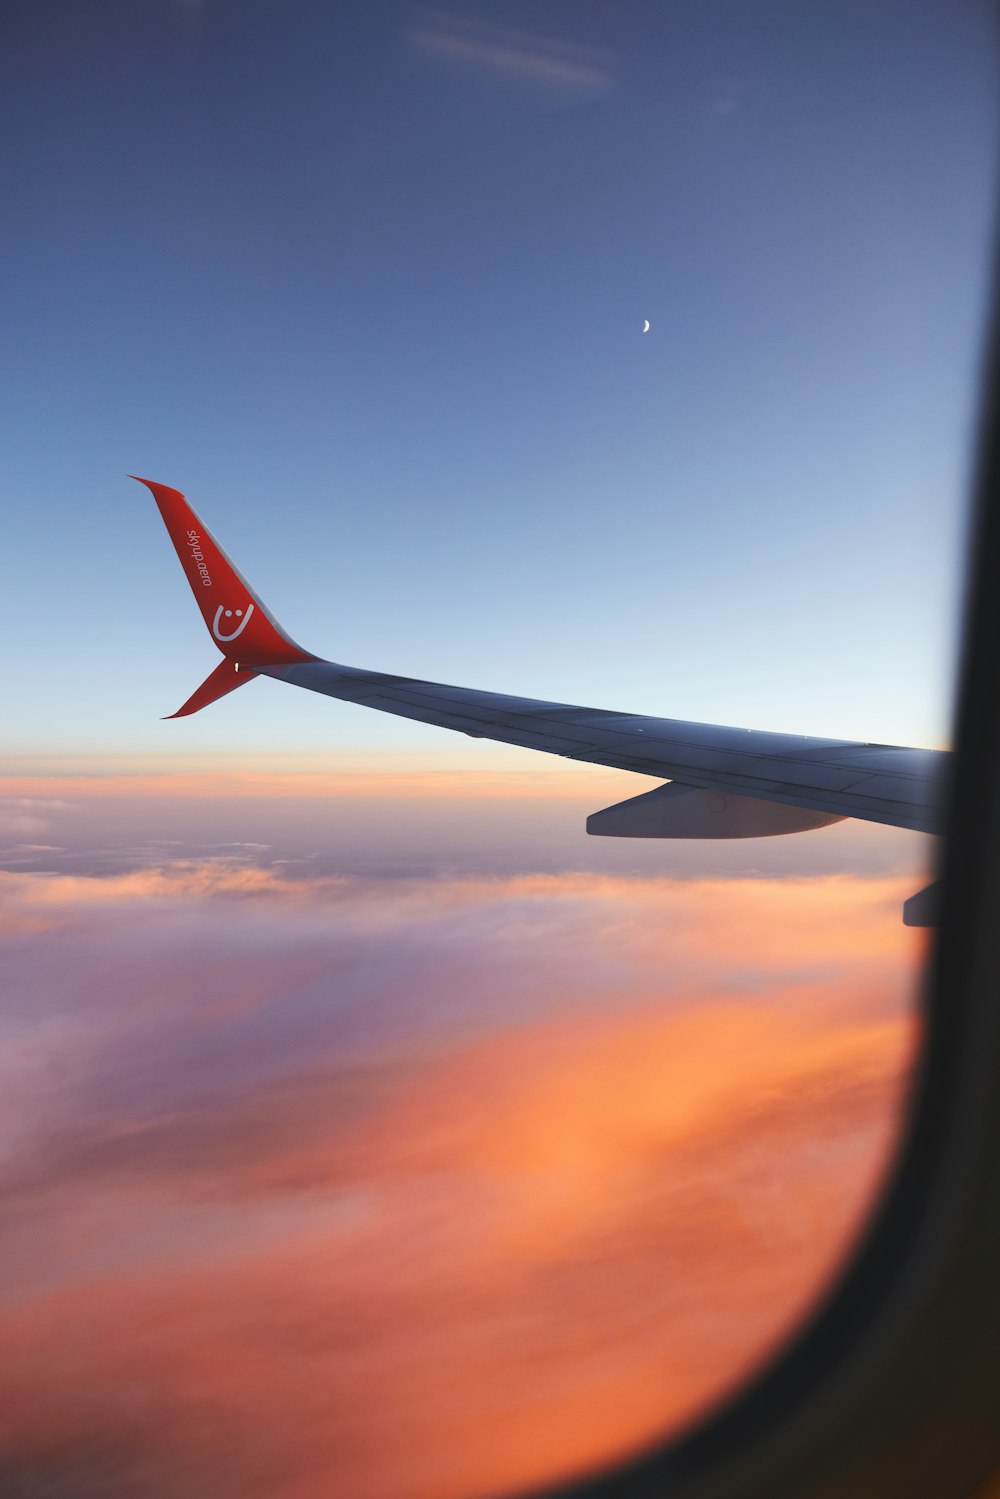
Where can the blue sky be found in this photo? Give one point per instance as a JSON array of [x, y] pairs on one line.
[[368, 284]]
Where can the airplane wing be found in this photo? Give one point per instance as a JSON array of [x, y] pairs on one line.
[[831, 777], [723, 782]]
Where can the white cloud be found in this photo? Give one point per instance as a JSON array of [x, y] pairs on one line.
[[22, 817]]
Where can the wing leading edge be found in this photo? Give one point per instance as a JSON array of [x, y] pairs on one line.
[[724, 782]]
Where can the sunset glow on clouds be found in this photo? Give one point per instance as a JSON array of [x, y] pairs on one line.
[[416, 1185]]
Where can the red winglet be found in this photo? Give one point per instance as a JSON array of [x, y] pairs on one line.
[[239, 623], [226, 677]]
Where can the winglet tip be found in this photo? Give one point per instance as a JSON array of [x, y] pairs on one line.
[[160, 492]]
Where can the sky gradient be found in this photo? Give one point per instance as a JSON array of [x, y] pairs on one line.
[[368, 283]]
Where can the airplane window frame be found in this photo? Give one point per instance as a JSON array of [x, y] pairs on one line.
[[890, 1387]]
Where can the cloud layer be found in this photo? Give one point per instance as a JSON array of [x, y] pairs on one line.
[[438, 1185]]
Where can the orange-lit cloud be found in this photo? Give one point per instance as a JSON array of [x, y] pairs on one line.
[[390, 820], [438, 1186]]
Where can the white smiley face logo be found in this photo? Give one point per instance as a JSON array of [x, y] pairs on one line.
[[240, 615]]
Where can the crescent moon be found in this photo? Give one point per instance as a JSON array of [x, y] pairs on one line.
[[646, 326]]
